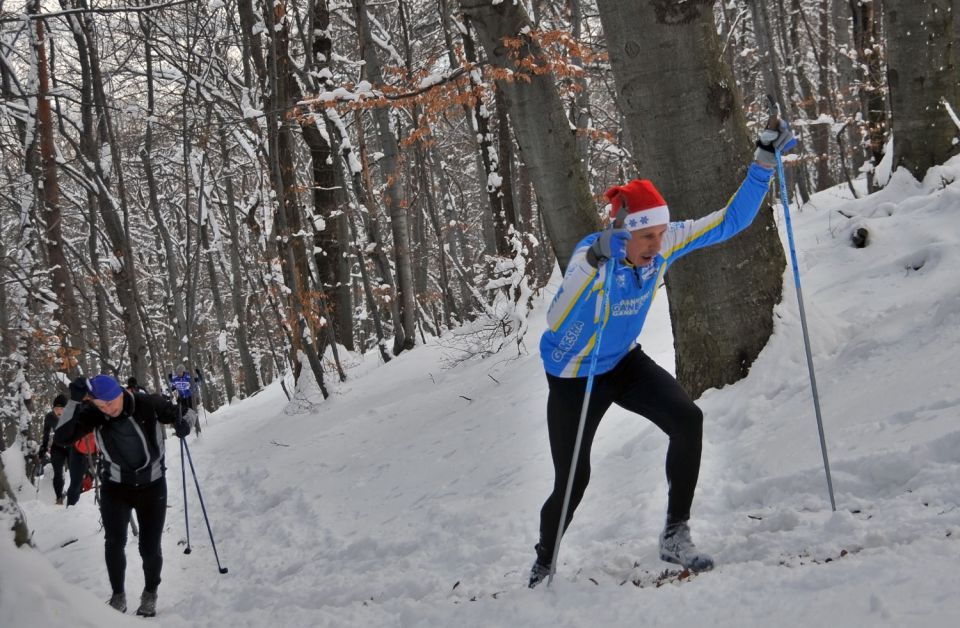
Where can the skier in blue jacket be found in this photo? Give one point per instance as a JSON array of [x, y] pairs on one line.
[[182, 383], [638, 248]]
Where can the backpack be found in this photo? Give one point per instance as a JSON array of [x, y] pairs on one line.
[[87, 444]]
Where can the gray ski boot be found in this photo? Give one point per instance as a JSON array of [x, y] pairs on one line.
[[676, 547], [148, 603], [118, 601], [541, 567], [537, 574]]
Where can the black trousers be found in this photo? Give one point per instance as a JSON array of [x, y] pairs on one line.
[[636, 384], [186, 403], [150, 503], [78, 464], [58, 458]]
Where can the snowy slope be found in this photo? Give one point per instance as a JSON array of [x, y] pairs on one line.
[[411, 496]]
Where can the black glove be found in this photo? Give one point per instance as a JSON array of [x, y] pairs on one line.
[[612, 244], [78, 389], [770, 140], [182, 428], [199, 376]]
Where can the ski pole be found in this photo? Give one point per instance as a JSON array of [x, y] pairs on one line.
[[183, 476], [38, 479], [186, 518], [608, 281], [92, 467], [774, 112], [202, 389], [202, 506]]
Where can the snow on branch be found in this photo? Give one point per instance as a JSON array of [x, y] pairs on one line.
[[143, 9], [953, 115]]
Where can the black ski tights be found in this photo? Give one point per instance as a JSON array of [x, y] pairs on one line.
[[636, 384], [150, 503]]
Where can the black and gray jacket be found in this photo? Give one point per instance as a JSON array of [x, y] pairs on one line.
[[49, 425], [131, 445]]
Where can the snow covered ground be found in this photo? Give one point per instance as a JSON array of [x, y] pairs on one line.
[[411, 496]]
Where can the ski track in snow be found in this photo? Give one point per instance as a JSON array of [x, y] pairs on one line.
[[411, 496]]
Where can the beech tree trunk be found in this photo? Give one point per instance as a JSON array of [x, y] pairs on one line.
[[869, 66], [396, 204], [288, 228], [689, 137], [493, 181], [250, 380], [922, 73], [69, 328], [540, 124]]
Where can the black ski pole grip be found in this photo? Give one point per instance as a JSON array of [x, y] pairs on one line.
[[773, 109]]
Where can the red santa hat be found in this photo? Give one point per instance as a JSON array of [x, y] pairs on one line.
[[637, 204]]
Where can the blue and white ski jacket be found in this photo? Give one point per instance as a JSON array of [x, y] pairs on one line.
[[183, 384], [574, 315]]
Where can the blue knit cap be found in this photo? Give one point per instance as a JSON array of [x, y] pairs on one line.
[[104, 387]]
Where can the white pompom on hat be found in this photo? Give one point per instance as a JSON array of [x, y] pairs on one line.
[[642, 203]]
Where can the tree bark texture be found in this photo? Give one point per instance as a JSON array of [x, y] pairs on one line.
[[250, 380], [69, 329], [922, 72], [290, 246], [8, 500], [869, 65], [540, 124], [328, 221], [488, 156], [689, 136], [396, 204]]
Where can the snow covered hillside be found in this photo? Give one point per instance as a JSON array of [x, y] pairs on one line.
[[411, 496]]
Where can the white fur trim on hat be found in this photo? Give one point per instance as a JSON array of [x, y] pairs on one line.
[[647, 218]]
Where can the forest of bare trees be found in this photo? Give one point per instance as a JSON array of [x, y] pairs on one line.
[[252, 188]]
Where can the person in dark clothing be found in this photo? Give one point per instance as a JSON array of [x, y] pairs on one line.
[[55, 453], [129, 433], [81, 459], [74, 456], [134, 387]]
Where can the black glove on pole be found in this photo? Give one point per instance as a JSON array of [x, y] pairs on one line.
[[182, 427]]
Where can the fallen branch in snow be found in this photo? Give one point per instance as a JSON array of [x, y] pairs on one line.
[[667, 576]]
